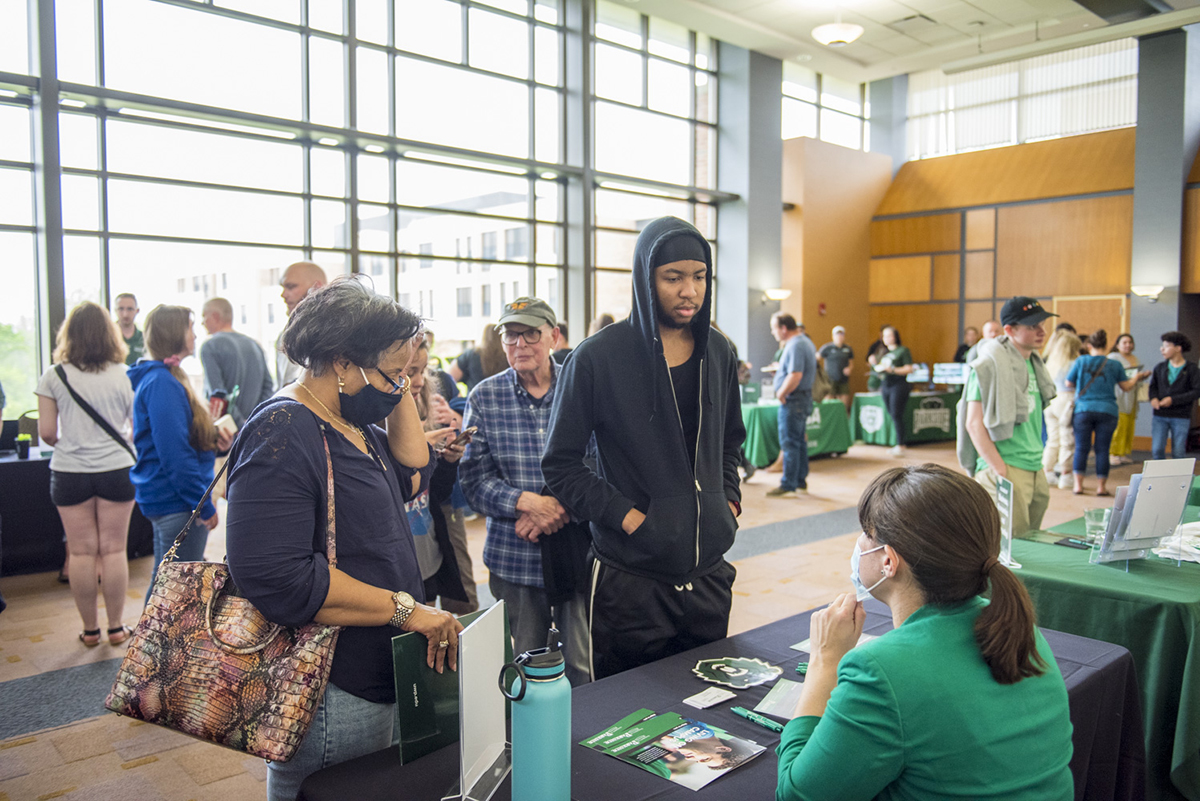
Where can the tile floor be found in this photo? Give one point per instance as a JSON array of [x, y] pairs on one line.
[[107, 757]]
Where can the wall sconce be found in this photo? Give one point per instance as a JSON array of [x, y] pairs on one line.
[[1148, 291], [776, 294]]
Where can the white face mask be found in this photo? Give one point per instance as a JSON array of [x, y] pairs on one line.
[[862, 593]]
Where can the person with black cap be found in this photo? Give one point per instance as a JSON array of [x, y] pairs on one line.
[[1000, 414], [659, 392]]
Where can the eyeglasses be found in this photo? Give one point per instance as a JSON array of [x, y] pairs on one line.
[[509, 337], [395, 387]]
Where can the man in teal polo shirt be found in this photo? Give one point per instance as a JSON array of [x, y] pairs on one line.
[[1004, 397]]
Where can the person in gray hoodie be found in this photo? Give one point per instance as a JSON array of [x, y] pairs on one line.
[[1000, 414]]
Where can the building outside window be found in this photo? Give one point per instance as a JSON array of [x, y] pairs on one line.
[[463, 295]]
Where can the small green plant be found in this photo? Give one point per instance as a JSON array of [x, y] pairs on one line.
[[24, 438]]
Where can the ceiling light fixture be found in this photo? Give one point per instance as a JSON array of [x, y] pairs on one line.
[[837, 34]]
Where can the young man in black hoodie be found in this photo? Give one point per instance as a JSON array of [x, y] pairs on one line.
[[659, 392]]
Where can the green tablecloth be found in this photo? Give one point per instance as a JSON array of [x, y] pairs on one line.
[[1154, 611], [928, 417], [828, 430]]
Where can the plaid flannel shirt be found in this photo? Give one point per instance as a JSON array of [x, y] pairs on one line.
[[503, 460]]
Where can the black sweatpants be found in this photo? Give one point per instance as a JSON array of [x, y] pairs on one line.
[[637, 620], [895, 398]]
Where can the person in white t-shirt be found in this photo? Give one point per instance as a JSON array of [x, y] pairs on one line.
[[89, 471]]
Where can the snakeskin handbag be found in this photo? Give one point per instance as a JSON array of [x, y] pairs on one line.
[[203, 661]]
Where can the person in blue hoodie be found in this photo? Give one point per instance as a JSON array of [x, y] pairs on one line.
[[659, 391], [175, 438]]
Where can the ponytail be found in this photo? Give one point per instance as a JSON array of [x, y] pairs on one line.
[[1005, 630]]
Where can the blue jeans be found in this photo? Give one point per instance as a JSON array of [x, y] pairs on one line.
[[1103, 425], [1177, 427], [793, 442], [166, 528], [344, 727]]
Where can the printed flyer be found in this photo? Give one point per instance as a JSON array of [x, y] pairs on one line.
[[684, 751]]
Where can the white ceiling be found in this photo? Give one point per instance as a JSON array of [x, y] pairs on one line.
[[896, 40]]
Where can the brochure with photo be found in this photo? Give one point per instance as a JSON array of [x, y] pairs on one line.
[[684, 751]]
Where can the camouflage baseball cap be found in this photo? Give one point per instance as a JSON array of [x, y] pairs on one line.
[[528, 311]]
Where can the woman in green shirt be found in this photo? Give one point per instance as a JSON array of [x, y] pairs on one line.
[[963, 698], [894, 367]]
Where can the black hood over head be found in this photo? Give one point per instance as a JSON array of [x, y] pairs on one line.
[[663, 241]]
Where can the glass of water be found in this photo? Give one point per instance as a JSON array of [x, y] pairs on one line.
[[1096, 521]]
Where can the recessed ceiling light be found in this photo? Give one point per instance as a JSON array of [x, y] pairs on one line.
[[837, 34]]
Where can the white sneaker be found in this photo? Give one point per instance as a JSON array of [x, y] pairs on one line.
[[1066, 481], [1051, 476], [897, 450]]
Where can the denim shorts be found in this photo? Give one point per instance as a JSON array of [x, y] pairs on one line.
[[70, 489]]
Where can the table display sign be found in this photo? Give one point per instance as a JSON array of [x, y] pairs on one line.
[[1004, 505], [738, 672], [1146, 512]]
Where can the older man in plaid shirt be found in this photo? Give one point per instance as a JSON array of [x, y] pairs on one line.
[[501, 474]]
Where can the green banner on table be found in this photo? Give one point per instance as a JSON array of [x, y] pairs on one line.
[[828, 430], [928, 417]]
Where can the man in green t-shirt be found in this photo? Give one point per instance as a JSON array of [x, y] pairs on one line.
[[1004, 412], [127, 312]]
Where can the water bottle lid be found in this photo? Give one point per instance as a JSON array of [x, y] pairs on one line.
[[543, 660]]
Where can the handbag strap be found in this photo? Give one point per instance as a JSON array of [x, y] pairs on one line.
[[105, 426], [1095, 375], [330, 524]]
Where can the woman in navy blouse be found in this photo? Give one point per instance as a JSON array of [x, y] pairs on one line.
[[353, 398]]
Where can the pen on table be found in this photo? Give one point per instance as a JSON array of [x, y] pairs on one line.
[[754, 717]]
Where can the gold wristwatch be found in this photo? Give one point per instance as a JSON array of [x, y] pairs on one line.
[[405, 604]]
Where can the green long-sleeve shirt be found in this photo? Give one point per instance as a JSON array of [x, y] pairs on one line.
[[916, 714]]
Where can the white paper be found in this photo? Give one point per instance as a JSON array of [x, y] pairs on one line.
[[781, 701], [710, 697]]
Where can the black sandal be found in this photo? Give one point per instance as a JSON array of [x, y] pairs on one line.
[[125, 631], [90, 633]]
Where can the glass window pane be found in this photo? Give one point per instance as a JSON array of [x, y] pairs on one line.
[[75, 25], [373, 175], [706, 157], [14, 37], [670, 88], [379, 269], [430, 27], [81, 269], [632, 142], [18, 323], [841, 129], [706, 52], [670, 40], [547, 55], [706, 97], [420, 183], [549, 201], [618, 23], [615, 250], [16, 197], [81, 202], [328, 166], [286, 10], [841, 95], [618, 74], [187, 274], [512, 6], [616, 209], [499, 43], [549, 287], [549, 245], [706, 220], [374, 228], [549, 128], [613, 293], [258, 71], [799, 82], [799, 119], [77, 145], [438, 233], [14, 133], [326, 15], [372, 98], [504, 104], [329, 224], [144, 208], [546, 11], [371, 21], [141, 149], [326, 82]]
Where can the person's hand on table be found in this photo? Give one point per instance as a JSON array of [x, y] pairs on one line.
[[438, 627], [836, 628]]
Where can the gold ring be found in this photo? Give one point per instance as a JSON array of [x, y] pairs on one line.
[[444, 644]]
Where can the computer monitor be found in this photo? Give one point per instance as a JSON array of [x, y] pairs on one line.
[[950, 373], [919, 375]]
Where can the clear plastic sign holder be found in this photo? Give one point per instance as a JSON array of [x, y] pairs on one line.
[[485, 755], [1004, 505], [1146, 512]]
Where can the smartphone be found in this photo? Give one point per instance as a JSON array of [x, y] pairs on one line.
[[463, 437]]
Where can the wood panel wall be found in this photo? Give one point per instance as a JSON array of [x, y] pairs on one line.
[[926, 234], [1189, 279], [929, 330]]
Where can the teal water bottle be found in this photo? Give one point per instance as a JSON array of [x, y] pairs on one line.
[[541, 724]]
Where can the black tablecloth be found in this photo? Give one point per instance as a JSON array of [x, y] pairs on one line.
[[31, 534], [1108, 763]]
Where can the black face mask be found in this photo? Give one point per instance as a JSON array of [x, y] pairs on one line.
[[369, 405]]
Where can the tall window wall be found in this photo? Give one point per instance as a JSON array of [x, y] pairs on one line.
[[654, 104], [824, 107], [204, 146], [1073, 92]]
